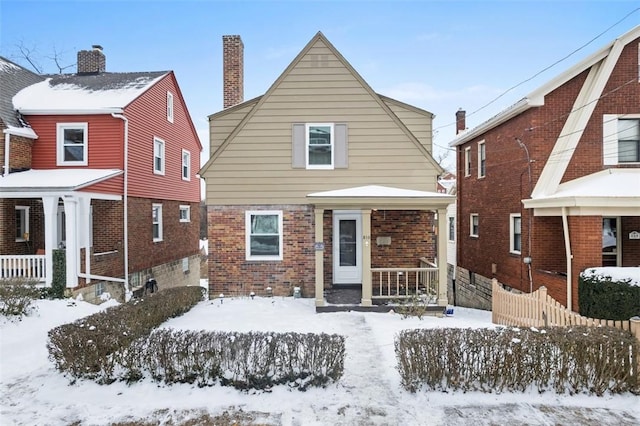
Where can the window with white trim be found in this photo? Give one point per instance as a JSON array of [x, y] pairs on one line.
[[72, 144], [186, 165], [474, 225], [621, 139], [185, 213], [263, 232], [481, 159], [22, 223], [319, 143], [515, 233], [156, 220], [452, 228], [170, 107], [467, 161], [158, 156]]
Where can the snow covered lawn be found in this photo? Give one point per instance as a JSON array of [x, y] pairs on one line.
[[32, 392]]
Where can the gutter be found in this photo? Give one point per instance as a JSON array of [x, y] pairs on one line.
[[125, 199]]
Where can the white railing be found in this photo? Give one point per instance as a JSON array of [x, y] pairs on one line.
[[22, 266], [405, 282]]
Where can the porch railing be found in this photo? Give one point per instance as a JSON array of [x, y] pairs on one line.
[[30, 267], [402, 283]]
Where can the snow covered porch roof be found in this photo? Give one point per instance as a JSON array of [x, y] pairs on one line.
[[34, 183], [614, 192], [381, 197]]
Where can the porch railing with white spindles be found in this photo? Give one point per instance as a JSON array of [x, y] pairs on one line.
[[31, 267]]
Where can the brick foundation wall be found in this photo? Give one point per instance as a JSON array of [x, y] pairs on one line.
[[231, 274], [472, 290], [451, 284]]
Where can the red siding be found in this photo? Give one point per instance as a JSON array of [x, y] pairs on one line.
[[147, 118]]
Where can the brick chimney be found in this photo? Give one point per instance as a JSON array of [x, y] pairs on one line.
[[91, 61], [233, 70], [461, 121]]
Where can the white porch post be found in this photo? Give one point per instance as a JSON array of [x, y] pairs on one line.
[[84, 233], [50, 207], [319, 230], [367, 291], [70, 211], [442, 257]]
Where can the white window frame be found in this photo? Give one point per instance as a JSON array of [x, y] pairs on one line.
[[512, 233], [332, 145], [170, 107], [451, 228], [158, 153], [157, 222], [472, 232], [248, 215], [467, 161], [24, 223], [186, 165], [60, 128], [187, 210], [482, 159]]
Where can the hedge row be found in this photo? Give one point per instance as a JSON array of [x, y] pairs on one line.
[[84, 349], [251, 360], [602, 297], [574, 360]]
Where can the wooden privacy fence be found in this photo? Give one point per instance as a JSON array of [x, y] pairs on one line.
[[538, 309]]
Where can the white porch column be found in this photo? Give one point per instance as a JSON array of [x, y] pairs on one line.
[[71, 223], [319, 250], [84, 232], [50, 207], [367, 291], [442, 257]]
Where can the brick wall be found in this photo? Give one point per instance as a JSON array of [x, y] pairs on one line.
[[412, 237], [630, 248], [472, 290], [20, 149]]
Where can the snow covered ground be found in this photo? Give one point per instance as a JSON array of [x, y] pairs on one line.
[[33, 393]]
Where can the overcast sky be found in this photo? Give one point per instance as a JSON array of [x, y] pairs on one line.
[[436, 55]]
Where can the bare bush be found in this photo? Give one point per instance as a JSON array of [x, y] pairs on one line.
[[17, 296]]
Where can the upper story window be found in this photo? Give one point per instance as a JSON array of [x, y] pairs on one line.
[[72, 144], [515, 233], [467, 161], [156, 220], [481, 159], [474, 225], [621, 139], [263, 232], [22, 223], [170, 107], [319, 146], [158, 156], [186, 165]]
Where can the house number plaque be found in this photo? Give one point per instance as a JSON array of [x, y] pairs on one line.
[[634, 235], [319, 246]]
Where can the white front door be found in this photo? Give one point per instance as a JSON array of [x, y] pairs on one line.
[[347, 247]]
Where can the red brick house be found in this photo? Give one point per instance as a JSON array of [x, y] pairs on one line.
[[551, 186], [321, 184], [103, 166]]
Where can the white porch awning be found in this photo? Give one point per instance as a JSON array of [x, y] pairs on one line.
[[34, 183], [614, 192], [376, 196]]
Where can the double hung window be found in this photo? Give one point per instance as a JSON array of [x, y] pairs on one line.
[[72, 142], [263, 230]]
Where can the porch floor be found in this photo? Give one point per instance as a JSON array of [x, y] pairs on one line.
[[348, 297]]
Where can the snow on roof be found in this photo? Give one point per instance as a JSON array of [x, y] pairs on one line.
[[606, 183], [103, 92], [616, 274], [26, 132], [58, 179], [375, 191], [7, 66]]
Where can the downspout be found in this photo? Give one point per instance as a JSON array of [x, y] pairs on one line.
[[127, 294], [569, 256], [7, 141]]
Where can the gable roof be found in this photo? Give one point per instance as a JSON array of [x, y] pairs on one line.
[[319, 37], [536, 97], [13, 78], [100, 93]]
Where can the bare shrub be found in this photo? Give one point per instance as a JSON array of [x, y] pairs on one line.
[[17, 296]]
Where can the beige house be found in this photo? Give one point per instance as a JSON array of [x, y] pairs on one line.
[[322, 184]]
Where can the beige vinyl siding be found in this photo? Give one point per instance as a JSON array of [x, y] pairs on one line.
[[419, 124], [224, 125], [255, 167]]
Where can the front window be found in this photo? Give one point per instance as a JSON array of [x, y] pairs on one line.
[[22, 223], [158, 156], [474, 225], [156, 219], [185, 213], [481, 159], [263, 235], [515, 227], [319, 146], [186, 165], [72, 144], [467, 161], [629, 141], [610, 241]]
